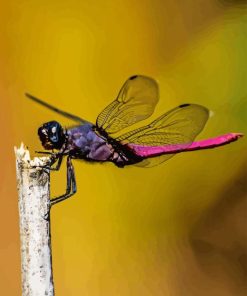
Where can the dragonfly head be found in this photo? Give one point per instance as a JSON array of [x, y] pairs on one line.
[[52, 135]]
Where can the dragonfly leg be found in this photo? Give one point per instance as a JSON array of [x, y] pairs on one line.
[[58, 165], [71, 184], [44, 152]]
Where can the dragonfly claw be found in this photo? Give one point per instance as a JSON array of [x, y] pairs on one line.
[[47, 216]]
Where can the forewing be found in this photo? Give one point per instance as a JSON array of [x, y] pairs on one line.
[[55, 109], [179, 126], [136, 101]]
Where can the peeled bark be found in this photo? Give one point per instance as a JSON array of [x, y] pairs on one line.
[[34, 215]]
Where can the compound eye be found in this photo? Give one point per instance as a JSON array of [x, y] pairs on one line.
[[54, 134], [54, 129], [44, 131]]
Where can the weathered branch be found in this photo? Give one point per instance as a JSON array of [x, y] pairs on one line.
[[34, 215]]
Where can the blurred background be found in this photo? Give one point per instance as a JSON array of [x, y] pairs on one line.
[[178, 229]]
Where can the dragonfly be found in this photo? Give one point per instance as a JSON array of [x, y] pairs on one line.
[[110, 140]]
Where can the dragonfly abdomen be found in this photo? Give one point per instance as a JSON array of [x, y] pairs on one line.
[[152, 151]]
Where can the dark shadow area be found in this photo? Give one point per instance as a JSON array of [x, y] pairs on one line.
[[219, 239], [179, 23]]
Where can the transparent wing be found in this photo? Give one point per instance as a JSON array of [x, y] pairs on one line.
[[153, 161], [136, 101], [178, 126], [55, 109]]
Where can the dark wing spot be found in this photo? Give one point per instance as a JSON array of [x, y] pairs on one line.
[[133, 77], [184, 105]]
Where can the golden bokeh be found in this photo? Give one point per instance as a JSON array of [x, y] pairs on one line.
[[176, 229]]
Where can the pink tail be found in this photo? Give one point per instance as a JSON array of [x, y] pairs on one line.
[[151, 151]]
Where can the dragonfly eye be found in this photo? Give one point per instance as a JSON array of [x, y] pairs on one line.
[[51, 135]]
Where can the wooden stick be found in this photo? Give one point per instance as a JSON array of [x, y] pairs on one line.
[[34, 214]]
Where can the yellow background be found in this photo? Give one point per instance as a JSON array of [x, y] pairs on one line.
[[177, 229]]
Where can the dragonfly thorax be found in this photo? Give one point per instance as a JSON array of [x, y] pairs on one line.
[[52, 135]]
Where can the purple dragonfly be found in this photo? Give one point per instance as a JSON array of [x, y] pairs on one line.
[[146, 146]]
